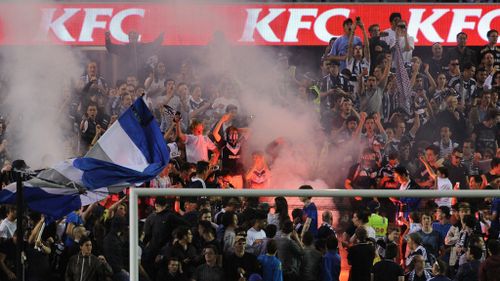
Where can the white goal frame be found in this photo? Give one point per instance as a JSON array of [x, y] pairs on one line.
[[135, 193]]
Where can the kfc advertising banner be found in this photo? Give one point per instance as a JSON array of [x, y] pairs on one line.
[[238, 24]]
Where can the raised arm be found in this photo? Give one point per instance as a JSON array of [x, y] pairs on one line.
[[429, 106], [86, 214], [169, 131], [181, 135], [366, 41], [383, 82], [224, 118], [416, 125], [113, 207], [414, 73], [357, 132], [408, 46], [428, 167], [112, 48], [35, 231], [432, 82], [379, 125], [355, 113], [350, 47], [361, 85], [149, 80]]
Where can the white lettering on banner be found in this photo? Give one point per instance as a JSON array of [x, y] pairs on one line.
[[425, 26], [90, 23], [295, 23], [57, 26], [484, 24], [252, 24], [458, 23], [263, 25], [321, 23], [115, 26]]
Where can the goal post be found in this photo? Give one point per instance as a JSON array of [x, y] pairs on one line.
[[135, 193]]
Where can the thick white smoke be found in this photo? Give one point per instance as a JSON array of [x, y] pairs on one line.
[[38, 88], [286, 118]]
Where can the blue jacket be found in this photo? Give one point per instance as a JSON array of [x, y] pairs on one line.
[[331, 266]]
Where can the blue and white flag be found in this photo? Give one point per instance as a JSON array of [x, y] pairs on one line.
[[54, 201], [132, 151]]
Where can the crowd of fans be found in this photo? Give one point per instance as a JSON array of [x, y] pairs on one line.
[[442, 135]]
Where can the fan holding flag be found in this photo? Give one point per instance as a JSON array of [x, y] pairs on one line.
[[131, 151]]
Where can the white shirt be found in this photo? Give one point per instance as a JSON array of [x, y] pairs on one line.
[[7, 228], [404, 186], [488, 82], [391, 41], [162, 182], [253, 234], [273, 219], [371, 233], [443, 184], [197, 148], [174, 150]]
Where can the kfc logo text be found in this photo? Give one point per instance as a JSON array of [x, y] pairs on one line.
[[94, 18], [83, 24], [421, 23]]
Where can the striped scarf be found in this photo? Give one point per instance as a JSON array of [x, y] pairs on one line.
[[411, 275], [402, 79]]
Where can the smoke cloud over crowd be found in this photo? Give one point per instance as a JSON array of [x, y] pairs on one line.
[[37, 93]]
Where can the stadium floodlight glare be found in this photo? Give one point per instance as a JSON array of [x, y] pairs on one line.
[[135, 193]]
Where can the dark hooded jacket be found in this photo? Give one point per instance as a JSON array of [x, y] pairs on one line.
[[490, 269], [87, 268]]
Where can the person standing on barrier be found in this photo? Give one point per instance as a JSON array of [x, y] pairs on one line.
[[310, 212], [230, 147], [441, 182], [362, 176], [387, 181]]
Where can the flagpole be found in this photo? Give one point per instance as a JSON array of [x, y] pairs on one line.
[[18, 167]]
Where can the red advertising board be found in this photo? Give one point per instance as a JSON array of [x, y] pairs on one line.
[[240, 24]]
